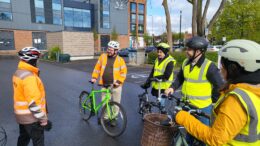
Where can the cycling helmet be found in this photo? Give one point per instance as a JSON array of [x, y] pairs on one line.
[[114, 45], [197, 43], [164, 47], [245, 52], [29, 53]]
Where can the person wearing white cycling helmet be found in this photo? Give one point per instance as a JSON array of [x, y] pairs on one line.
[[111, 69], [29, 99], [237, 112]]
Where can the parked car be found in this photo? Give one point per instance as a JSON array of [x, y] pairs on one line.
[[150, 49], [214, 48], [125, 51], [179, 49]]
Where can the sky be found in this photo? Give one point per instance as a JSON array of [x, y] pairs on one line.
[[156, 23]]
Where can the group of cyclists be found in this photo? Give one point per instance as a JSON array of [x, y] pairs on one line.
[[232, 94]]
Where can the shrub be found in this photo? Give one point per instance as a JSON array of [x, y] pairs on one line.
[[53, 51]]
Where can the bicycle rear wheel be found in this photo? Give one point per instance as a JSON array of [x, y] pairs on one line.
[[85, 105], [113, 119]]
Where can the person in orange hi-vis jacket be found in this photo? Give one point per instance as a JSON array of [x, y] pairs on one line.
[[29, 99]]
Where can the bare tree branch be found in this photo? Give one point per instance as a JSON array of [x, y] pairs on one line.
[[214, 18], [194, 18], [205, 11], [190, 1], [168, 23]]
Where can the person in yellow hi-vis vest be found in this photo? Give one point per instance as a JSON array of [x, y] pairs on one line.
[[199, 77], [29, 99], [162, 69], [237, 112]]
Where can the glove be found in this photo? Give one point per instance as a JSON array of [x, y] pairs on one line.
[[48, 127], [171, 118], [146, 85]]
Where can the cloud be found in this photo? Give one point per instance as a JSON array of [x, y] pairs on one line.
[[158, 25]]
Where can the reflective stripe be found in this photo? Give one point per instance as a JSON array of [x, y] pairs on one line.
[[103, 66], [34, 109], [196, 81], [99, 62], [23, 111], [31, 102], [197, 97], [158, 70], [122, 67], [96, 71], [116, 69], [24, 74], [20, 103], [39, 115], [252, 135], [123, 75]]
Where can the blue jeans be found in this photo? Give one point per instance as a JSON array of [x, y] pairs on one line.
[[207, 110]]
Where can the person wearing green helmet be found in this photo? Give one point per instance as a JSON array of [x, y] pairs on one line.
[[162, 69], [237, 112]]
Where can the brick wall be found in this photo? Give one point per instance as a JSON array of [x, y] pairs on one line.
[[54, 39], [22, 39], [78, 43], [124, 41]]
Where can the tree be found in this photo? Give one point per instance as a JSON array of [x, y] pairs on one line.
[[239, 20], [168, 22], [114, 34], [147, 39], [199, 17]]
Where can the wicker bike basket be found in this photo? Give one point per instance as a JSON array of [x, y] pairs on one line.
[[155, 134]]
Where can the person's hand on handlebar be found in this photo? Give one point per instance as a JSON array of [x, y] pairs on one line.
[[93, 80], [169, 91]]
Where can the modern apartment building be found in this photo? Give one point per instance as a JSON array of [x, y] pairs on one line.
[[68, 24]]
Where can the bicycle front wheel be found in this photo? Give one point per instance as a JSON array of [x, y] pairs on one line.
[[113, 119], [85, 105]]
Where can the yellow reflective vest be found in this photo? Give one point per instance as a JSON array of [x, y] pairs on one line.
[[196, 88], [250, 133], [119, 69], [159, 69]]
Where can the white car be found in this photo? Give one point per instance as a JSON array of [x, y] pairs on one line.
[[214, 48]]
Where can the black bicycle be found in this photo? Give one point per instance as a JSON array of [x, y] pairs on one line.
[[3, 137], [179, 134], [146, 104]]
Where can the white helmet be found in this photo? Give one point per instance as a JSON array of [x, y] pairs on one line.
[[29, 53], [245, 52], [114, 45]]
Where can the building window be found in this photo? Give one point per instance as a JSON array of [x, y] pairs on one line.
[[105, 14], [133, 27], [7, 40], [140, 28], [74, 17], [5, 10], [133, 18], [140, 19], [133, 7], [56, 9], [39, 11], [141, 8]]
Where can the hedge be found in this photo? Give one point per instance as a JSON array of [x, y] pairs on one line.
[[180, 56], [53, 51]]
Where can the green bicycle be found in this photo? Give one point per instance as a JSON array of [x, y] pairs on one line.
[[112, 118]]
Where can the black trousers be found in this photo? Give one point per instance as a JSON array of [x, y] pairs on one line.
[[31, 131]]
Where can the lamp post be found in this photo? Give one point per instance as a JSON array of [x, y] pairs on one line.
[[180, 30]]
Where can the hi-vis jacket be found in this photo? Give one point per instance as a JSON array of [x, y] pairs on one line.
[[237, 118], [119, 69], [29, 95]]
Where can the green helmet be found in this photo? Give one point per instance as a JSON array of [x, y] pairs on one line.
[[245, 52], [164, 47]]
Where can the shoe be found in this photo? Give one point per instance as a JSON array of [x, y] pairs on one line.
[[113, 123]]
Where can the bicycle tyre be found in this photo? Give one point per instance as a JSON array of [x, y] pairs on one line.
[[85, 113], [106, 123]]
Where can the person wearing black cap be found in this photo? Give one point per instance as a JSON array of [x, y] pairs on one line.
[[200, 79], [162, 69]]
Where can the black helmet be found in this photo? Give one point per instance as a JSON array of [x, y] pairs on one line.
[[197, 43]]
